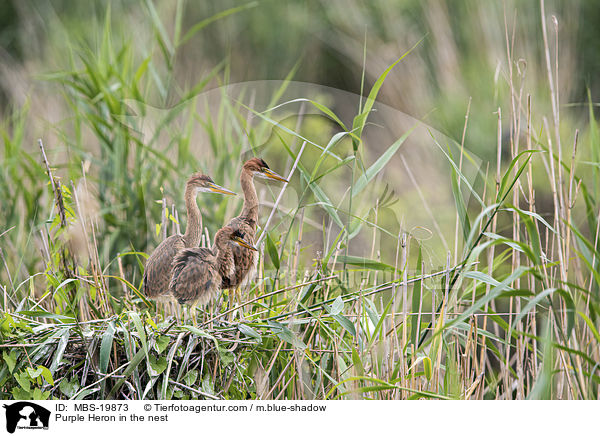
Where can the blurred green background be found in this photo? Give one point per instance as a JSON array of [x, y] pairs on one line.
[[463, 47]]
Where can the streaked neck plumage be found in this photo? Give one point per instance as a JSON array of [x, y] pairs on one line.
[[250, 210], [224, 254], [193, 231]]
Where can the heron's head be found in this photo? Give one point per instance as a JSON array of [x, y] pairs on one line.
[[239, 238], [203, 183], [228, 234], [258, 167]]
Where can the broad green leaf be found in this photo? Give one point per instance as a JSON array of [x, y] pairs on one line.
[[69, 387], [35, 373], [158, 365], [357, 362], [162, 342], [106, 346], [191, 377], [427, 367], [137, 322], [337, 306], [346, 324], [10, 359], [416, 298], [226, 356], [133, 364], [47, 375], [380, 321], [371, 311], [170, 357], [516, 245], [591, 326], [482, 277], [60, 349], [44, 314], [286, 335], [24, 380], [249, 331], [461, 207], [365, 263], [272, 250], [199, 332]]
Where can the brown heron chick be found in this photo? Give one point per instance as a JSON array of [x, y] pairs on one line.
[[245, 260], [157, 273], [198, 272]]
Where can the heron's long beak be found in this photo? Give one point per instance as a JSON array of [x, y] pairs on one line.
[[273, 175], [243, 243], [220, 190]]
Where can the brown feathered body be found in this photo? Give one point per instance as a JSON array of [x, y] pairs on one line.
[[198, 272], [245, 260], [159, 269]]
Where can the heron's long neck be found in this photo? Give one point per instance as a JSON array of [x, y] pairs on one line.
[[225, 258], [193, 230], [250, 210]]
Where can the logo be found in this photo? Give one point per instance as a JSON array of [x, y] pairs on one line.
[[26, 415]]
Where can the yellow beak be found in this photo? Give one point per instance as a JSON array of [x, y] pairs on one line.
[[220, 190], [273, 175], [243, 243]]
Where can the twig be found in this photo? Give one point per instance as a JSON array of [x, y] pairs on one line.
[[6, 231], [99, 380], [181, 385], [58, 198], [270, 294], [354, 295]]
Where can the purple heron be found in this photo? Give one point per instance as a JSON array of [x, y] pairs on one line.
[[157, 273], [198, 272], [245, 260]]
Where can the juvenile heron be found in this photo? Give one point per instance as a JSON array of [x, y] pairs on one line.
[[198, 272], [157, 273], [245, 260]]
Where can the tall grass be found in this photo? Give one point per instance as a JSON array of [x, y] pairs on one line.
[[348, 302]]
